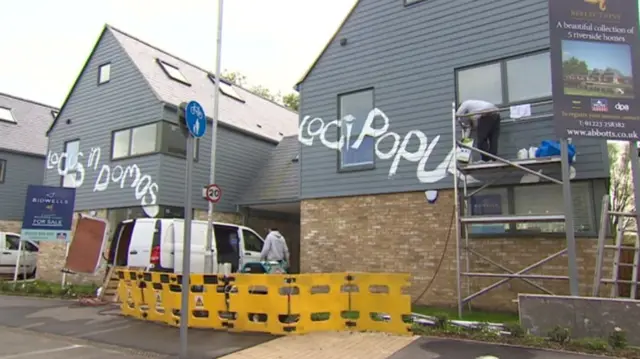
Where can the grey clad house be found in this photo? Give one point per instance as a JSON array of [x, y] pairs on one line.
[[118, 141], [390, 74], [23, 145]]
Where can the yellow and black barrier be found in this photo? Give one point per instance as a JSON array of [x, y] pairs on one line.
[[272, 303]]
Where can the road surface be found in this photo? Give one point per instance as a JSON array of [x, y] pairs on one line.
[[51, 329]]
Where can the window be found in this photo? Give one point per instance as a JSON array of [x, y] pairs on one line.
[[173, 72], [538, 199], [548, 199], [12, 242], [6, 115], [30, 247], [529, 77], [174, 141], [3, 170], [490, 202], [227, 89], [251, 241], [513, 80], [104, 74], [135, 141], [353, 111], [70, 163]]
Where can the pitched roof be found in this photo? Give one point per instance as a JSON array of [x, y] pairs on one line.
[[255, 115], [28, 133], [279, 178]]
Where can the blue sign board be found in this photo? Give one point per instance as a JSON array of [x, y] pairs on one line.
[[195, 118], [48, 213]]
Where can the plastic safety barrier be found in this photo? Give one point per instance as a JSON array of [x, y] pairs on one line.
[[272, 303]]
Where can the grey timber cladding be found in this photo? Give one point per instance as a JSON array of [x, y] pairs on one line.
[[139, 92], [91, 113], [279, 178], [21, 170], [408, 55]]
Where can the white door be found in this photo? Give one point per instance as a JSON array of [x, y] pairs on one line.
[[9, 253], [30, 255], [141, 242], [167, 244], [198, 238], [251, 246]]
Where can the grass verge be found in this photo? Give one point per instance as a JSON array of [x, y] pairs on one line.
[[472, 316], [46, 289], [558, 338]]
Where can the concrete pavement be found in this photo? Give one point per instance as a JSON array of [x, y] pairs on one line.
[[104, 326], [22, 344]]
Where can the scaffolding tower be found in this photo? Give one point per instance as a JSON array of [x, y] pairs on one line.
[[498, 169]]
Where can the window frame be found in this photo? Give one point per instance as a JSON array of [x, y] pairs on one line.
[[244, 241], [504, 80], [361, 166], [196, 143], [235, 95], [130, 142], [162, 65], [13, 236], [64, 150], [3, 170], [513, 232], [100, 81], [13, 117]]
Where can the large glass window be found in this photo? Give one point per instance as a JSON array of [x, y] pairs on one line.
[[507, 81], [538, 199], [3, 170], [353, 111], [529, 77], [174, 141], [548, 199], [135, 141], [70, 163], [481, 83]]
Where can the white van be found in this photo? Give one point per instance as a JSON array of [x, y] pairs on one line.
[[9, 245], [157, 244]]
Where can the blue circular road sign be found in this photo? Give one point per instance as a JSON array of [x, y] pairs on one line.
[[195, 118]]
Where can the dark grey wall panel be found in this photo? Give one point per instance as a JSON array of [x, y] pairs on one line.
[[21, 171], [93, 113], [409, 56]]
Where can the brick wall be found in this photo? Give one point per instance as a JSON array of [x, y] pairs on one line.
[[403, 233], [11, 226]]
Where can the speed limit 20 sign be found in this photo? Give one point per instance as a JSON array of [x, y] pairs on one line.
[[213, 193]]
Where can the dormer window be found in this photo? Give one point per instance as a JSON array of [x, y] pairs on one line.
[[104, 73], [173, 72], [227, 89], [6, 115]]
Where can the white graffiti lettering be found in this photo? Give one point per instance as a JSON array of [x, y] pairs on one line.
[[145, 189], [311, 128]]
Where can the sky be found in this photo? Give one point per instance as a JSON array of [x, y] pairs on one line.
[[599, 55], [45, 43]]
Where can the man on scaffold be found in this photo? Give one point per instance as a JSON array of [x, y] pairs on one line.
[[484, 117]]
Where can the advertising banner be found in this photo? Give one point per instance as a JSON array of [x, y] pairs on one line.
[[594, 66], [48, 213]]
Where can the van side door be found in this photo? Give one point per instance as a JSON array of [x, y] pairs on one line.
[[251, 245]]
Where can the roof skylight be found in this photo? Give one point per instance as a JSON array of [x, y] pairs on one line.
[[173, 72], [7, 115], [226, 89]]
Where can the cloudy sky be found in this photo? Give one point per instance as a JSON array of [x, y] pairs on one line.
[[45, 43]]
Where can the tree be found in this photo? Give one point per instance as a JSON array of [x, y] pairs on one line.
[[621, 187], [291, 100], [574, 66], [234, 77]]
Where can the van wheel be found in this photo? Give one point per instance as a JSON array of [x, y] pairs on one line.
[[32, 275]]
